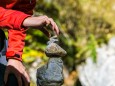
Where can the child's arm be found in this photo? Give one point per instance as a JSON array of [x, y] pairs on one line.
[[15, 21], [40, 22], [12, 20]]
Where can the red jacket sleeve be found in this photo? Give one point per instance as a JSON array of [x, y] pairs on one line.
[[15, 44], [12, 20]]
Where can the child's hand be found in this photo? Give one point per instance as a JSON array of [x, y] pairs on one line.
[[41, 22], [17, 68]]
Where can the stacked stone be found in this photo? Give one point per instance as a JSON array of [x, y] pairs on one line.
[[51, 74]]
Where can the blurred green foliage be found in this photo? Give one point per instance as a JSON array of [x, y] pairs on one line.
[[84, 25]]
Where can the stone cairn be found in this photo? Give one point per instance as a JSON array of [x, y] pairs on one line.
[[51, 74]]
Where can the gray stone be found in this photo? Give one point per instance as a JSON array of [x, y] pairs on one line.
[[54, 50], [51, 74]]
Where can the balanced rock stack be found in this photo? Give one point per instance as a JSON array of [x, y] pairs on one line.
[[51, 74]]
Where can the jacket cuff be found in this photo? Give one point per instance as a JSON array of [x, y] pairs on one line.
[[13, 55]]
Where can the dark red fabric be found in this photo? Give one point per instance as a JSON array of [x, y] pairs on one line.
[[12, 15], [25, 6]]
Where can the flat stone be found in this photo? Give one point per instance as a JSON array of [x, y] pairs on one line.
[[54, 50]]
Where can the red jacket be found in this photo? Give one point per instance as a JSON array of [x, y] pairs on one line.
[[12, 14]]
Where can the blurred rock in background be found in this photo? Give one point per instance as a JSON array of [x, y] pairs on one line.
[[101, 72]]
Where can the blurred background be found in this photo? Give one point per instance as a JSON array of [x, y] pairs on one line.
[[85, 25]]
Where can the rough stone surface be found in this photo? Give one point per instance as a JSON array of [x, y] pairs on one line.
[[53, 49], [51, 74], [101, 73]]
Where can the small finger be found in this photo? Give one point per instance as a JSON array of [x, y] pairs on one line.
[[56, 29], [19, 79], [26, 79], [47, 22], [46, 32], [54, 26], [6, 76]]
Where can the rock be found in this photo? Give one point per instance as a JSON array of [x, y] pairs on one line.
[[51, 74], [101, 73], [54, 50], [111, 42]]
